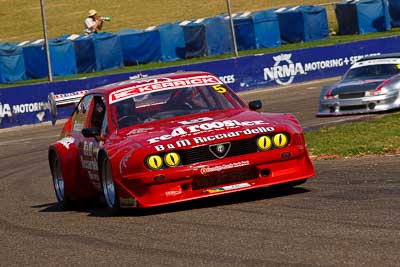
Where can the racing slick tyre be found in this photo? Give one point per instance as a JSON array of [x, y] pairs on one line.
[[59, 183], [109, 189], [289, 185]]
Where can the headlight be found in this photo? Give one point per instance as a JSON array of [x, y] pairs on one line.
[[280, 140], [328, 97], [172, 159], [154, 162], [264, 143], [378, 91]]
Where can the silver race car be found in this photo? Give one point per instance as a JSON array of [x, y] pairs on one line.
[[372, 84]]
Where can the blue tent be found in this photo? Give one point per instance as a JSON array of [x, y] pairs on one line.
[[394, 10], [84, 52], [140, 46], [207, 37], [172, 42], [362, 16], [258, 29], [62, 55], [303, 23], [108, 51], [12, 64]]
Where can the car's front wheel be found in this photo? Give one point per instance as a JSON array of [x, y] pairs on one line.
[[108, 185]]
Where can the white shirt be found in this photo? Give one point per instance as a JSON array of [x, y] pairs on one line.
[[89, 23]]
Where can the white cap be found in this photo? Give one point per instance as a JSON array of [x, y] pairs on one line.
[[92, 12]]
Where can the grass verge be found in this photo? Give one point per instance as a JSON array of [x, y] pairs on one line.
[[374, 137]]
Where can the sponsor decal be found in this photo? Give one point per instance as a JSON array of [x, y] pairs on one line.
[[383, 61], [284, 70], [89, 158], [174, 192], [172, 159], [204, 127], [197, 120], [31, 107], [140, 79], [264, 143], [66, 141], [8, 110], [227, 188], [138, 76], [157, 85], [228, 79], [280, 140], [205, 139], [128, 202], [140, 130], [89, 165], [72, 95], [89, 149], [5, 110], [219, 168], [155, 162]]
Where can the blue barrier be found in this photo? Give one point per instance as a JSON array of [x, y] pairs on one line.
[[302, 24], [28, 104], [362, 16]]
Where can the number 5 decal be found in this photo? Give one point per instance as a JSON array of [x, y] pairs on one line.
[[219, 88]]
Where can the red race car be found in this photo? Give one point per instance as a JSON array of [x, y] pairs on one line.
[[171, 138]]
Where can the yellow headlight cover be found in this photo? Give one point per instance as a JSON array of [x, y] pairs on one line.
[[172, 159], [264, 142], [154, 162], [280, 140]]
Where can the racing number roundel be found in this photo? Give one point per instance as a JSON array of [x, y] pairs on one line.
[[264, 143], [154, 162], [280, 140], [172, 159]]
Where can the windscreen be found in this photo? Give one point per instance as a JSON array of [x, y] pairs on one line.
[[165, 104], [373, 71]]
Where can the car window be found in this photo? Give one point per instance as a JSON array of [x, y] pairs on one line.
[[80, 115], [373, 71], [98, 112], [171, 103]]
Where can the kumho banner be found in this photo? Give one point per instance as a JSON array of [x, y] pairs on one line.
[[28, 104]]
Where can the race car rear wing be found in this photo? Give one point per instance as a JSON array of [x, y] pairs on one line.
[[63, 100]]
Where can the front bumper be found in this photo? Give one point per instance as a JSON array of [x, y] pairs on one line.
[[336, 107], [198, 180]]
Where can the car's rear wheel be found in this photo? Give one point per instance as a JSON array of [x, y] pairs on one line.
[[108, 185], [59, 182]]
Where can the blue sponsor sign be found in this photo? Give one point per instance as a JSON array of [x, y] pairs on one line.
[[28, 104]]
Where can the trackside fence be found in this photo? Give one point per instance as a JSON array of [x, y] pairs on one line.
[[28, 104]]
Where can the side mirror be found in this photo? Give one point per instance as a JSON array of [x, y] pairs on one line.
[[255, 104], [90, 132]]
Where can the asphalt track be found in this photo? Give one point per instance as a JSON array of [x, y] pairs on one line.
[[348, 215]]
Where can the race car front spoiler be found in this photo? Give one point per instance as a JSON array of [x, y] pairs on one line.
[[338, 107], [268, 172]]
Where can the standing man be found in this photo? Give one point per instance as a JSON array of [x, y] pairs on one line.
[[93, 23]]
